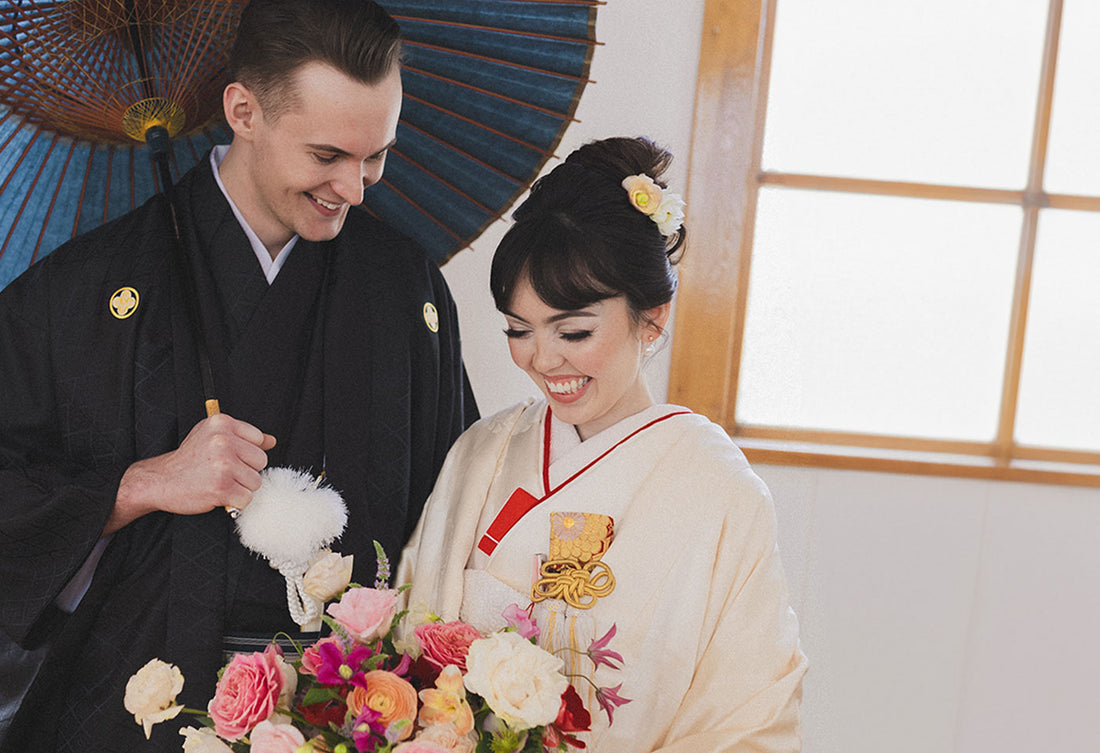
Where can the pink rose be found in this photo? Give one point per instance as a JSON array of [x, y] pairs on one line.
[[247, 693], [446, 643], [311, 657], [366, 613], [275, 738]]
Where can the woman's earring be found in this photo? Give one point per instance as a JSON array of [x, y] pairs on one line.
[[650, 348]]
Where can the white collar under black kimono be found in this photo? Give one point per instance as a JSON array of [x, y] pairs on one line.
[[270, 266]]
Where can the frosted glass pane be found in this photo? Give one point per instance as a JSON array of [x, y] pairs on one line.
[[938, 91], [1073, 154], [878, 314], [1059, 403]]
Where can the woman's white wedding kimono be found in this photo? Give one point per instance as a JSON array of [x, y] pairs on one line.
[[710, 644]]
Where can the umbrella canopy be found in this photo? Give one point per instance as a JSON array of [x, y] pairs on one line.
[[79, 83], [490, 86]]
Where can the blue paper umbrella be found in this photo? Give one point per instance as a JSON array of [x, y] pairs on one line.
[[490, 86], [80, 82]]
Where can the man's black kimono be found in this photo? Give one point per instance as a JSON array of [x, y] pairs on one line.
[[341, 359]]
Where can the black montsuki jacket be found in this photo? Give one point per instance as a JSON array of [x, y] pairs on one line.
[[341, 359]]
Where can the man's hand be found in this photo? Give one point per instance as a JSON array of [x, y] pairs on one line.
[[218, 464]]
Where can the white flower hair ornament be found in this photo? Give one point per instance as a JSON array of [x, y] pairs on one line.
[[290, 521], [659, 204]]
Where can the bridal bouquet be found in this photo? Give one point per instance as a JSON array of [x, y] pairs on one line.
[[446, 688]]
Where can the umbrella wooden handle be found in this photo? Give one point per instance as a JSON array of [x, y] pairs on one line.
[[213, 408]]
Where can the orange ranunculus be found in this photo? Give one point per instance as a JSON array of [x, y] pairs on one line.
[[356, 699], [391, 696]]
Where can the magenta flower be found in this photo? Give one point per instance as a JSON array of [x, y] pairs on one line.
[[368, 732], [600, 654], [338, 669], [520, 620], [610, 699], [311, 657], [403, 666]]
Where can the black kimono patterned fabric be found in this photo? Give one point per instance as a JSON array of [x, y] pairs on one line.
[[336, 359]]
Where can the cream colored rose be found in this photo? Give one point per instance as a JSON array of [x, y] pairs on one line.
[[446, 736], [645, 195], [203, 740], [151, 694], [521, 683], [328, 576]]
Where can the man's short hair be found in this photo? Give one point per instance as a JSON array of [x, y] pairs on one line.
[[277, 37]]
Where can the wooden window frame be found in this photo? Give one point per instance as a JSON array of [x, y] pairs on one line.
[[724, 177]]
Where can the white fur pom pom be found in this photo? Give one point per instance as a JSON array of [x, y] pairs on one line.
[[291, 517]]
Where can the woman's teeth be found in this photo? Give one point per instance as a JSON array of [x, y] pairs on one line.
[[325, 204], [565, 388]]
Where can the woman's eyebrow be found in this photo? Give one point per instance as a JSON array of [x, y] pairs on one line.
[[555, 318], [570, 315]]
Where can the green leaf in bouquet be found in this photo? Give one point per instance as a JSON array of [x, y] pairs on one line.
[[336, 627], [320, 694], [484, 743], [534, 741]]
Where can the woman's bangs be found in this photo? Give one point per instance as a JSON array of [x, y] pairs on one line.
[[562, 273]]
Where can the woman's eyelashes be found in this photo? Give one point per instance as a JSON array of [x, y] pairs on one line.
[[574, 336]]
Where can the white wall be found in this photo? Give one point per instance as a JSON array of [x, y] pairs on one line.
[[947, 615], [939, 615]]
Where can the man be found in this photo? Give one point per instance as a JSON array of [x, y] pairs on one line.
[[333, 344]]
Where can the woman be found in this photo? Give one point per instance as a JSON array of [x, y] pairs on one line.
[[603, 507]]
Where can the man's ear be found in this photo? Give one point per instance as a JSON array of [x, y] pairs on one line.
[[242, 110]]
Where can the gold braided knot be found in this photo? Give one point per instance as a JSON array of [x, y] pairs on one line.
[[578, 585]]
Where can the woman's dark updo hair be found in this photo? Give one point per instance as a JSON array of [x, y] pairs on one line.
[[579, 240]]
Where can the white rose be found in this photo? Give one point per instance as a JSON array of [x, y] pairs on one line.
[[328, 576], [203, 740], [151, 694], [669, 214], [521, 683]]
